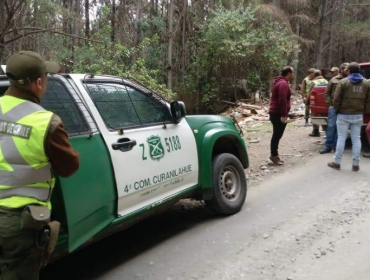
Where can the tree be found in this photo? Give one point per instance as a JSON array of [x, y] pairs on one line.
[[2, 29], [170, 45], [113, 21], [137, 30], [87, 20], [322, 33]]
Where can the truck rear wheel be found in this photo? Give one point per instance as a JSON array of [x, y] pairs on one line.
[[229, 185]]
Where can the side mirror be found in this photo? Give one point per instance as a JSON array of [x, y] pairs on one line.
[[178, 110]]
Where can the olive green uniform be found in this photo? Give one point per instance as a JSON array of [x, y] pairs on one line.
[[19, 254], [307, 84], [26, 173]]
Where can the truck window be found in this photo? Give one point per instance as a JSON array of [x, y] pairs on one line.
[[4, 84], [3, 90], [123, 107], [60, 101]]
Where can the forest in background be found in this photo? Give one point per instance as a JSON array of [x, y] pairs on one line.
[[198, 51]]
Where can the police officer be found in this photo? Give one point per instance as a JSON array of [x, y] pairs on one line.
[[33, 145], [331, 130], [318, 80], [305, 87], [334, 71], [351, 101]]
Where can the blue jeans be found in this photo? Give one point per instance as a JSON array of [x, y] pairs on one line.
[[331, 131], [345, 122]]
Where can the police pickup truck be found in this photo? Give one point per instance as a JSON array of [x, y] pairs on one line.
[[139, 154]]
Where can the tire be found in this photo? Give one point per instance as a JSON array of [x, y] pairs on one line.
[[227, 171]]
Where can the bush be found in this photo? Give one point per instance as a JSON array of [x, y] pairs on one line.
[[235, 46]]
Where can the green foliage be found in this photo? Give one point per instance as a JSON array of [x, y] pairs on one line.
[[231, 45], [115, 59], [235, 45]]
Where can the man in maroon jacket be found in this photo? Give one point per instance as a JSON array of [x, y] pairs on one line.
[[279, 109]]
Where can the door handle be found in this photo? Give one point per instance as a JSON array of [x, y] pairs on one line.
[[124, 144]]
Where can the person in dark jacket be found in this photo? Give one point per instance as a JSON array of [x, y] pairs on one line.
[[331, 130], [351, 101], [279, 109]]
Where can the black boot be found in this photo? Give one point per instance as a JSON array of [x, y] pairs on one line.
[[315, 133]]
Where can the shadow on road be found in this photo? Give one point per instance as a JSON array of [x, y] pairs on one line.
[[94, 261]]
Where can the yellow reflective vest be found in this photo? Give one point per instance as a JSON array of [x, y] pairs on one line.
[[320, 82], [25, 172], [308, 83]]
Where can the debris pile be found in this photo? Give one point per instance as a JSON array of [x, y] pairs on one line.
[[247, 114]]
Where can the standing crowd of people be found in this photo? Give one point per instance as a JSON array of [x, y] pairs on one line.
[[347, 98]]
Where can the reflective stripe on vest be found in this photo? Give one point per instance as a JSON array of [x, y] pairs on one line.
[[320, 82], [308, 83], [15, 182]]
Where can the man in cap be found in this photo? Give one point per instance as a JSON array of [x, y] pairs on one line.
[[331, 130], [334, 71], [351, 101], [33, 145], [305, 93], [318, 80]]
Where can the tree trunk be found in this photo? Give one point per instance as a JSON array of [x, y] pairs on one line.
[[35, 18], [152, 9], [296, 55], [2, 21], [65, 19], [211, 5], [183, 39], [121, 20], [87, 21], [330, 58], [170, 44], [321, 35], [65, 28], [113, 20], [137, 29], [276, 3], [75, 27]]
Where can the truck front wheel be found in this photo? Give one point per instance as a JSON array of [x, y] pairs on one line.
[[229, 185]]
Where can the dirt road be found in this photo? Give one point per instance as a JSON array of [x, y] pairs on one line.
[[308, 222]]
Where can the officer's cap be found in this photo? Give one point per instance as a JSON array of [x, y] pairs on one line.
[[334, 69], [344, 66], [311, 70], [27, 66]]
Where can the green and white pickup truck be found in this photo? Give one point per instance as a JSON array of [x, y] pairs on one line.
[[139, 155]]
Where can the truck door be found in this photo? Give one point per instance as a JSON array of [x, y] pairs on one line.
[[85, 202], [153, 158]]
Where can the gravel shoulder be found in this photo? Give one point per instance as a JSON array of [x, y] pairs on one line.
[[295, 148]]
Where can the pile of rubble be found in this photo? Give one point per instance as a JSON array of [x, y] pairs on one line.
[[247, 114]]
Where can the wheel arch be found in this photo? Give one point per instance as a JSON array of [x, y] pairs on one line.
[[215, 142]]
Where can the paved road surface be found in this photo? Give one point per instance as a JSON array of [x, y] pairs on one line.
[[311, 222]]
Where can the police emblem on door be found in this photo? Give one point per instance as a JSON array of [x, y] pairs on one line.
[[156, 149]]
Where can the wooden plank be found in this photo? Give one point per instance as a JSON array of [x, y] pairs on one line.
[[249, 106], [228, 102]]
